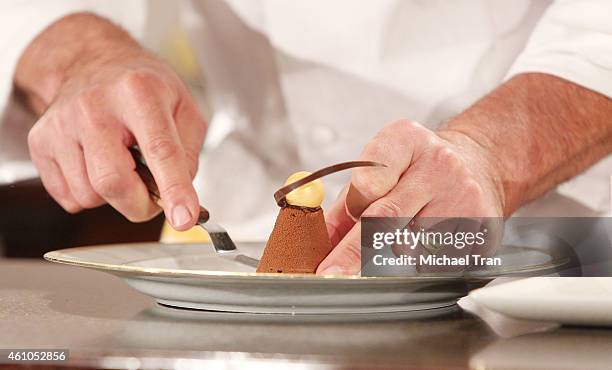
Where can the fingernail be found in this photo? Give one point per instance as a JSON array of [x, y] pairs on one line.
[[180, 215], [333, 270]]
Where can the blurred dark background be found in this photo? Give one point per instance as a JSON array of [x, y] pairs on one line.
[[32, 223]]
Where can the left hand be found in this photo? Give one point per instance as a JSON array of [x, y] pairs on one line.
[[428, 174]]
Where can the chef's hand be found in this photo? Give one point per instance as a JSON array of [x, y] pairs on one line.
[[428, 174], [111, 95]]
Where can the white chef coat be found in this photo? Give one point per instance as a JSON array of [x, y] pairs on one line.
[[296, 85]]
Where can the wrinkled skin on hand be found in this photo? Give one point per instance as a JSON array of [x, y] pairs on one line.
[[428, 174], [105, 105]]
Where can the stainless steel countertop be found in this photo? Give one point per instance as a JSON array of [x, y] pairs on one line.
[[104, 323]]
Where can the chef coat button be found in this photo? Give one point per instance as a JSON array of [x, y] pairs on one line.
[[321, 134]]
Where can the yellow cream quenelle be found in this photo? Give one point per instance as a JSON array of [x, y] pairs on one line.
[[307, 195]]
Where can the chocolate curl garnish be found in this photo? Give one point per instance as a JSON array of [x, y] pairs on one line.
[[281, 193]]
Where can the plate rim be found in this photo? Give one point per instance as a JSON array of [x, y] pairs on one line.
[[60, 256]]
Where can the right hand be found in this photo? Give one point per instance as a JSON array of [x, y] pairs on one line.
[[430, 176], [104, 105]]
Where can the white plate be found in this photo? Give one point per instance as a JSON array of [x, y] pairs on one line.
[[194, 276], [576, 301]]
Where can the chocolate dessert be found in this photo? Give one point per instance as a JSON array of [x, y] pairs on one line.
[[299, 240], [298, 243]]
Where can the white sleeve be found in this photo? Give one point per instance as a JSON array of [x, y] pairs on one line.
[[22, 20], [573, 40]]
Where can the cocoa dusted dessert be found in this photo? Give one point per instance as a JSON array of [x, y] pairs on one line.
[[299, 240]]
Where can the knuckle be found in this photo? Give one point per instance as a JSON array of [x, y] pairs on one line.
[[376, 148], [407, 129], [399, 127], [57, 192], [110, 185], [88, 199], [384, 207], [69, 207], [371, 187], [175, 190], [35, 138], [161, 148], [447, 158], [140, 217], [443, 160], [472, 188], [139, 83]]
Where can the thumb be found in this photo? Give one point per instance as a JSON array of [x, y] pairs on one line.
[[345, 258], [337, 218]]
